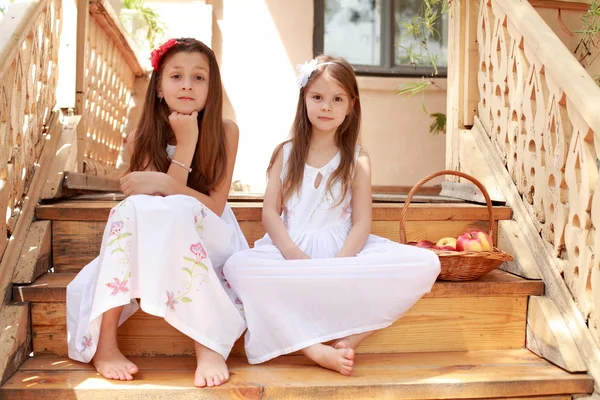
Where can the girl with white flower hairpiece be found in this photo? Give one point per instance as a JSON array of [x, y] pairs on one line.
[[166, 243], [318, 274]]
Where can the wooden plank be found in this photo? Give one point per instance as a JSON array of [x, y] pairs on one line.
[[15, 244], [433, 324], [251, 211], [473, 163], [549, 268], [483, 374], [462, 190], [549, 337], [105, 16], [54, 182], [76, 243], [15, 338], [35, 258], [51, 287], [79, 181], [510, 240], [455, 91]]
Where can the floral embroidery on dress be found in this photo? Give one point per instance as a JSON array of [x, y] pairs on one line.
[[199, 252], [345, 212], [116, 236], [117, 286], [86, 342], [199, 218], [171, 300], [227, 284], [287, 214]]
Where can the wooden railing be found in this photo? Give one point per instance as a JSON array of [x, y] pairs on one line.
[[540, 113], [36, 138], [106, 72], [28, 78]]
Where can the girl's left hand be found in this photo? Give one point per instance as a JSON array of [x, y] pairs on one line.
[[144, 182]]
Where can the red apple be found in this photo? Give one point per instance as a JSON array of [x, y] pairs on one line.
[[447, 242], [425, 244], [474, 241], [450, 248]]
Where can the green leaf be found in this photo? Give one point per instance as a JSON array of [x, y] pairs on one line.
[[111, 242], [439, 123], [186, 299], [189, 260], [117, 250], [189, 271], [203, 266], [124, 235]]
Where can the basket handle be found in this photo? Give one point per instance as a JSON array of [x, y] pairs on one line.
[[434, 175]]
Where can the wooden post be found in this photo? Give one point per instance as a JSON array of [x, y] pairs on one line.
[[83, 15]]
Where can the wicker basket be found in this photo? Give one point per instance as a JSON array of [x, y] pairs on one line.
[[461, 265]]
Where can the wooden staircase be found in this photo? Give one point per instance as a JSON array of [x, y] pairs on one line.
[[462, 340]]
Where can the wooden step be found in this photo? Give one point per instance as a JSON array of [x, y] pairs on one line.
[[489, 313], [77, 227], [515, 374]]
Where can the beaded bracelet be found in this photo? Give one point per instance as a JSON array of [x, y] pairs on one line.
[[182, 165]]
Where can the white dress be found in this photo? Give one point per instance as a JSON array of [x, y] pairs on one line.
[[292, 304], [168, 252]]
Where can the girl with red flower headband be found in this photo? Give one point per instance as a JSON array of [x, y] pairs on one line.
[[165, 244]]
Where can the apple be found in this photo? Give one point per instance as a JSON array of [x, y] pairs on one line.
[[474, 241], [447, 248], [425, 244], [447, 242]]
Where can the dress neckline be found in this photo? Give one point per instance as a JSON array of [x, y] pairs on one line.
[[326, 165]]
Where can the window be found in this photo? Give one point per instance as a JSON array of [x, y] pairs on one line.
[[372, 36]]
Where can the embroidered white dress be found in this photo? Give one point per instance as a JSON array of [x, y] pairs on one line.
[[168, 252], [292, 304]]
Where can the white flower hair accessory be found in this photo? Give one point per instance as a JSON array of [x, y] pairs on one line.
[[306, 71]]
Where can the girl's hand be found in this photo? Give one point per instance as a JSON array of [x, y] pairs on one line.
[[295, 254], [144, 182], [185, 128]]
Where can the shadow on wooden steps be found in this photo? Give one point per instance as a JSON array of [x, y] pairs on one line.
[[77, 226], [454, 375], [489, 313]]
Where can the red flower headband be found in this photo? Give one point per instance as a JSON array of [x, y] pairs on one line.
[[158, 53]]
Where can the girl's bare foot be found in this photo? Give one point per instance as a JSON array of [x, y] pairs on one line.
[[112, 364], [350, 342], [211, 368], [108, 360], [339, 360]]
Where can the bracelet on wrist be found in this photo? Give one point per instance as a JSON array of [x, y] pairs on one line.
[[182, 165]]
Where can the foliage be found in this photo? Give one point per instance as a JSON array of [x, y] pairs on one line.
[[423, 28], [156, 26], [590, 36]]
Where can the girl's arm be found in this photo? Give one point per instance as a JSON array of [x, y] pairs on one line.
[[361, 208], [217, 197], [271, 214]]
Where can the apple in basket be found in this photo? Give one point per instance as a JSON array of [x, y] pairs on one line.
[[446, 243], [426, 244], [474, 241]]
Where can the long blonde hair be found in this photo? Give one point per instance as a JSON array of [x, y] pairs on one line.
[[346, 135]]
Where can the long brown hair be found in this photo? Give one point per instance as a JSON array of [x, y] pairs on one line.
[[346, 135], [153, 131]]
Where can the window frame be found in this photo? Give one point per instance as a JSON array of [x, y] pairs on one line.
[[386, 46]]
